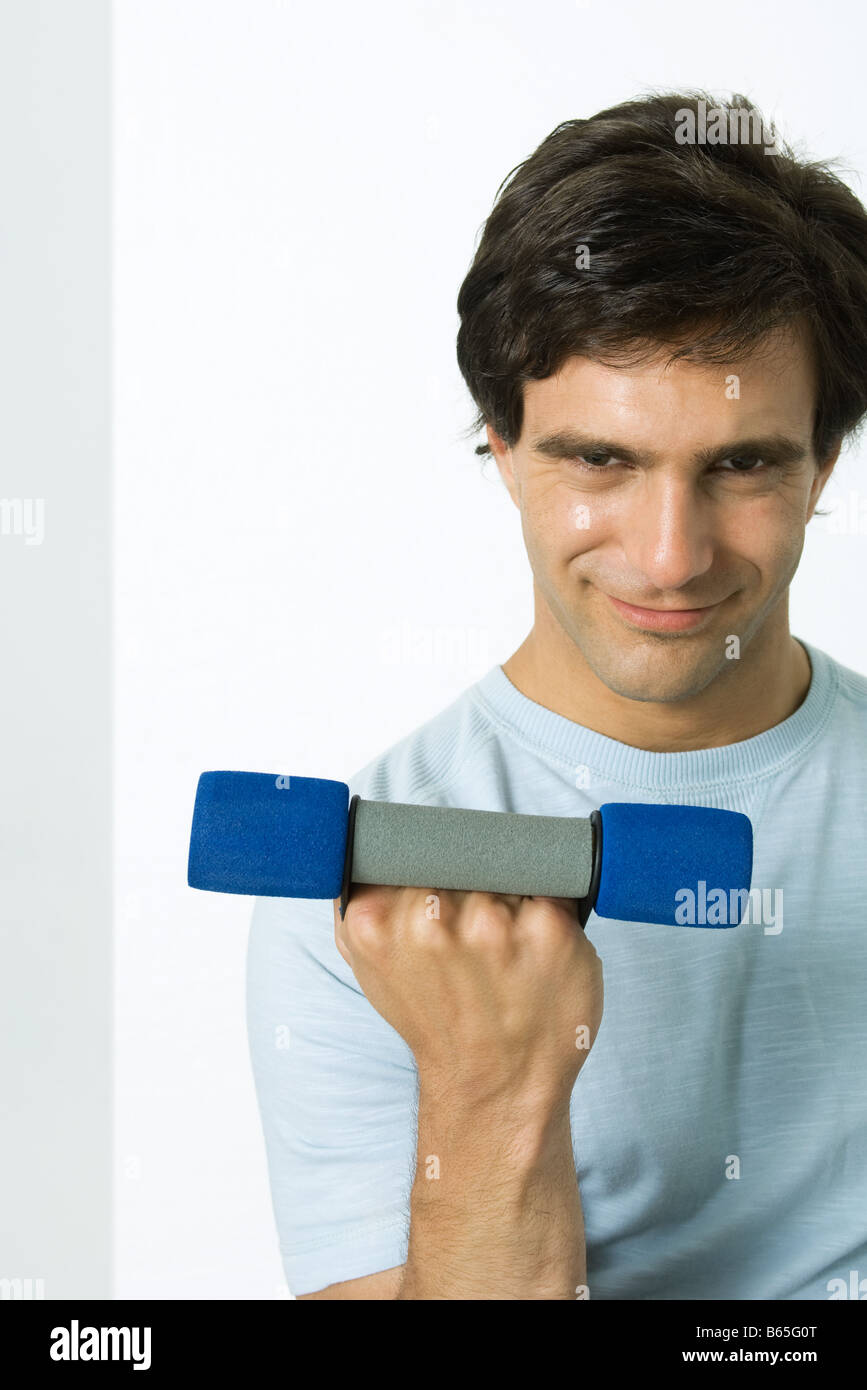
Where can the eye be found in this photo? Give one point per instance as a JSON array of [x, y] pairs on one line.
[[592, 463], [744, 463]]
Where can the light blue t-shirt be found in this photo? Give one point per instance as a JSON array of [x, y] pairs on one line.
[[719, 1123]]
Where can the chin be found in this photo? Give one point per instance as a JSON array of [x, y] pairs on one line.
[[657, 673]]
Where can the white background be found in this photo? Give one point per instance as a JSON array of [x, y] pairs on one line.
[[309, 559], [55, 638]]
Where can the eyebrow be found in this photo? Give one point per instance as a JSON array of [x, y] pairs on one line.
[[564, 444]]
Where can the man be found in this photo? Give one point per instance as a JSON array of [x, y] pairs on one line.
[[666, 341]]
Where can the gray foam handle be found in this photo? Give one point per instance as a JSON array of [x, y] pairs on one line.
[[489, 851]]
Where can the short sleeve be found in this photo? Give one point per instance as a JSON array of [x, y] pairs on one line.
[[337, 1092]]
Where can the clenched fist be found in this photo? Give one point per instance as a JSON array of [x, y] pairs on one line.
[[497, 996]]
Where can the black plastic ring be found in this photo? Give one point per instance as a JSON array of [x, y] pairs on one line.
[[347, 858], [586, 905]]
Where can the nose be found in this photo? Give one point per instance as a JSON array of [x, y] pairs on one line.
[[668, 535]]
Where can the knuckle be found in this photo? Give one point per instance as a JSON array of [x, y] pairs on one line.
[[486, 920], [548, 912], [549, 924], [428, 932], [423, 925], [368, 936], [364, 927]]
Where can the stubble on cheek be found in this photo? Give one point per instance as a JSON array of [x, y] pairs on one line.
[[568, 537], [636, 665]]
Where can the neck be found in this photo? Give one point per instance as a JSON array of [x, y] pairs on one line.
[[764, 687]]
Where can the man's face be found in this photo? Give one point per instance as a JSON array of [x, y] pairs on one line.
[[687, 487]]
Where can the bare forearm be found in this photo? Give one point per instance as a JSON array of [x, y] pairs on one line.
[[495, 1210]]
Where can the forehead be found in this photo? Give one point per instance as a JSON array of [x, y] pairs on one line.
[[774, 386]]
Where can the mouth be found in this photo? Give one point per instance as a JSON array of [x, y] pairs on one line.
[[663, 619]]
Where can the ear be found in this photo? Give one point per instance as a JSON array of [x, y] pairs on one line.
[[503, 456], [823, 473]]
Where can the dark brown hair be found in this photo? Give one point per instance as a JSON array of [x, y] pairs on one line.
[[709, 246]]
